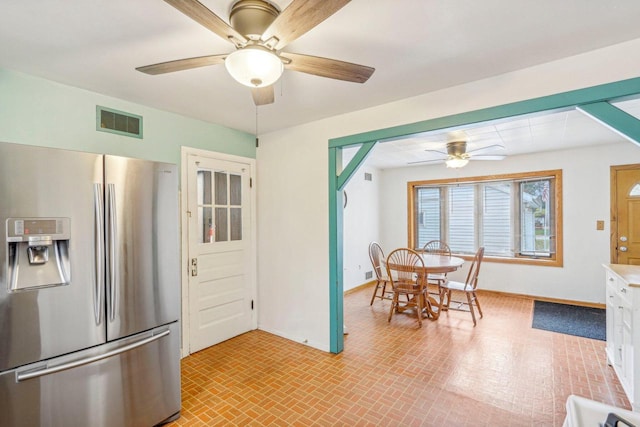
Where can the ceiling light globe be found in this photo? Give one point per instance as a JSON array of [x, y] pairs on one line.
[[456, 162], [254, 66]]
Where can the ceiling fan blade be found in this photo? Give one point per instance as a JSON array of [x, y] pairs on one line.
[[487, 147], [298, 18], [486, 157], [201, 14], [182, 64], [436, 151], [263, 95], [426, 161], [325, 67]]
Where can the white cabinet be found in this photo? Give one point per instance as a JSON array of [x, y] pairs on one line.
[[584, 412], [623, 327]]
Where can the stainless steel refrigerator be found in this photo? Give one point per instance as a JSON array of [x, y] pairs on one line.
[[89, 289]]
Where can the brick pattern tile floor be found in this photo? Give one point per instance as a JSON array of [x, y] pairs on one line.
[[500, 373]]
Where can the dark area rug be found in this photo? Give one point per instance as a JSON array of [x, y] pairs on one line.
[[585, 322]]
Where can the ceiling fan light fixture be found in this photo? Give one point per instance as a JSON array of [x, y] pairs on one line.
[[254, 66], [456, 162]]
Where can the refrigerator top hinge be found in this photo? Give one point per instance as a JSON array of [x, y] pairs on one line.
[[251, 304]]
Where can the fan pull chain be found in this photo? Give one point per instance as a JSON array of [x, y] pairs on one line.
[[257, 139]]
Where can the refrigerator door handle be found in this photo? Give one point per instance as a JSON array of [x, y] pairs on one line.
[[112, 256], [98, 304], [27, 375]]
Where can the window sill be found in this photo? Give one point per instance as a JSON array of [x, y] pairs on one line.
[[542, 262]]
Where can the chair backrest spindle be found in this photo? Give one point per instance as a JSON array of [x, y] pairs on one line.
[[437, 247], [376, 254], [474, 270]]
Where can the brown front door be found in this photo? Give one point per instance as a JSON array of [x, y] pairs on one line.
[[625, 214]]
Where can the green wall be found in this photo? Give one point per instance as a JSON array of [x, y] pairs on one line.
[[40, 112]]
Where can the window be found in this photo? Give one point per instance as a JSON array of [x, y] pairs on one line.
[[516, 217], [220, 221]]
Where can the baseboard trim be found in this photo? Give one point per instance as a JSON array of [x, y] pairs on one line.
[[357, 288], [546, 299], [508, 294]]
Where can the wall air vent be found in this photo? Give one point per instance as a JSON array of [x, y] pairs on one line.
[[368, 275], [368, 176], [118, 122]]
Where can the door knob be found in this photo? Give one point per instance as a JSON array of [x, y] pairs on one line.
[[622, 249], [623, 238]]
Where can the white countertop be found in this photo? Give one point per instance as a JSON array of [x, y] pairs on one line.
[[629, 273]]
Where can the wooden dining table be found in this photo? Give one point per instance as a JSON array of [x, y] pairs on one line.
[[440, 263], [435, 264]]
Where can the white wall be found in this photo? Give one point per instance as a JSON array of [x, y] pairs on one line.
[[293, 265], [361, 226], [293, 248], [40, 112], [586, 199]]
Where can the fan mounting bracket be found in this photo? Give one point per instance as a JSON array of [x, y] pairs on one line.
[[251, 18], [457, 148]]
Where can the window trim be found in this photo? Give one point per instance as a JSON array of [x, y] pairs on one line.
[[556, 260]]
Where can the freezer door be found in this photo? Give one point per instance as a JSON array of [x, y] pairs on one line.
[[51, 309], [143, 278], [131, 382]]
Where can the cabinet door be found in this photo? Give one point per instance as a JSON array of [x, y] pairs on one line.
[[627, 348], [612, 306]]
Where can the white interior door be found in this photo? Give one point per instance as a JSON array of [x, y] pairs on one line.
[[221, 290]]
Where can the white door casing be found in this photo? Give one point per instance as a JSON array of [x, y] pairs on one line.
[[219, 257]]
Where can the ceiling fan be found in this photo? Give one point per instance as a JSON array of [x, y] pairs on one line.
[[458, 156], [259, 31]]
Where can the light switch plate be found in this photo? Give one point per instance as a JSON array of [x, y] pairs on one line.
[[599, 225]]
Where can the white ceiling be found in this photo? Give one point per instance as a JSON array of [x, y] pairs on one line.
[[534, 133], [416, 46]]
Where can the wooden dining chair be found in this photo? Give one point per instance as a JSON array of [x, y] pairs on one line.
[[468, 287], [437, 247], [376, 255], [402, 265]]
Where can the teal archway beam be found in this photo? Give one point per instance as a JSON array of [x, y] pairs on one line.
[[355, 162], [339, 177], [615, 119]]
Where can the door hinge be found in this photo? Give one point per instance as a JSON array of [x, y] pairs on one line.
[[250, 182], [194, 266], [251, 304]]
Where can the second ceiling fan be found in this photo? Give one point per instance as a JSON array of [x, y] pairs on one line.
[[458, 153], [259, 32]]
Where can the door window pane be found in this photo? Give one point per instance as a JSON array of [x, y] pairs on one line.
[[221, 225], [236, 223], [204, 187], [205, 225], [235, 190], [221, 188], [635, 191]]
